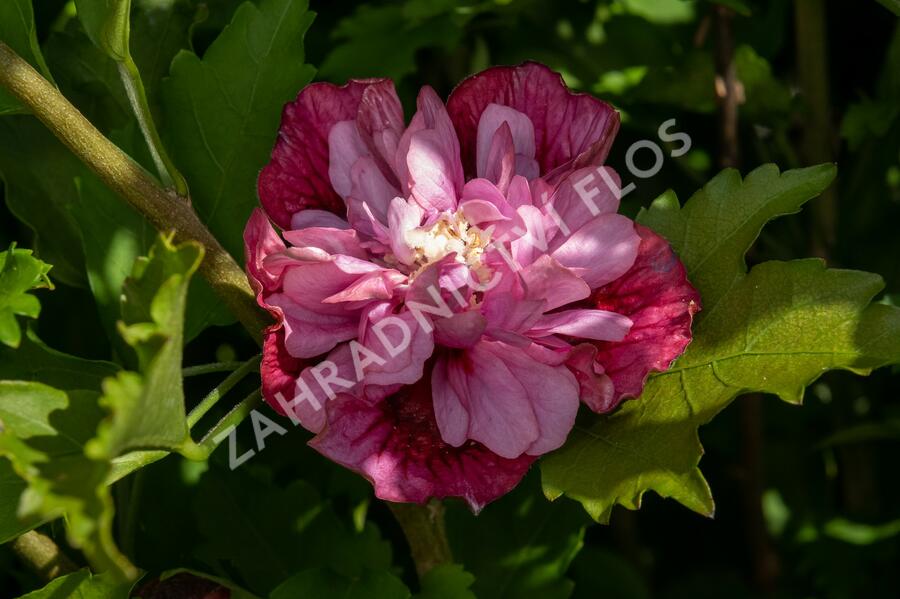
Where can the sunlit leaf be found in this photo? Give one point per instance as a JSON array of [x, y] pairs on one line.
[[774, 330], [20, 273], [223, 110]]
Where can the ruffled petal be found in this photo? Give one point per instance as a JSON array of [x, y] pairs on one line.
[[396, 444], [513, 403], [279, 371], [656, 295], [296, 178], [570, 130]]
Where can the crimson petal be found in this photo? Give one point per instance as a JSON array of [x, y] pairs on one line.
[[570, 130], [656, 295], [396, 444], [297, 176]]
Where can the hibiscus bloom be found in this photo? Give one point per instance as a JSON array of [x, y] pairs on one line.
[[449, 291]]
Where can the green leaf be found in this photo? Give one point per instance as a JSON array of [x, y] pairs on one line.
[[17, 30], [223, 111], [44, 432], [264, 533], [447, 581], [519, 546], [325, 583], [34, 361], [717, 226], [148, 407], [891, 5], [774, 330], [82, 585], [382, 41], [11, 488], [107, 24], [20, 272]]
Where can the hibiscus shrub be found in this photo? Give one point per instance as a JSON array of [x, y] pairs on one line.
[[265, 336]]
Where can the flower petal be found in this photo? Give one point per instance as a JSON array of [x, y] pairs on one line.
[[656, 295], [601, 251], [396, 444], [296, 178], [570, 130], [601, 325], [521, 131], [514, 403], [279, 371]]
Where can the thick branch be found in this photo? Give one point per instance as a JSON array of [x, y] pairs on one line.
[[42, 555], [165, 210], [423, 525]]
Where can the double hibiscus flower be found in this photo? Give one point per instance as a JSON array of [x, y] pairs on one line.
[[448, 292]]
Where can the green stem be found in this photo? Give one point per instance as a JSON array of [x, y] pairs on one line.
[[124, 465], [423, 526], [202, 450], [137, 96], [224, 387], [130, 181], [211, 368]]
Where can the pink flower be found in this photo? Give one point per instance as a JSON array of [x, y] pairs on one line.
[[452, 289]]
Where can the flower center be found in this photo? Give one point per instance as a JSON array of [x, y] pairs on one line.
[[452, 233]]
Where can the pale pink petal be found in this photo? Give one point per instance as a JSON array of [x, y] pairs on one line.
[[380, 122], [310, 333], [581, 197], [370, 197], [317, 218], [333, 241], [461, 330], [430, 149], [500, 164], [557, 285], [522, 132], [345, 147], [403, 216], [515, 404], [601, 325], [601, 251], [400, 341]]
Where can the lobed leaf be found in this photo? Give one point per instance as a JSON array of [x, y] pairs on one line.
[[223, 110], [773, 330], [147, 408], [20, 272]]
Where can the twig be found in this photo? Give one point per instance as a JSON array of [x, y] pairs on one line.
[[818, 130], [165, 210], [764, 560], [727, 90]]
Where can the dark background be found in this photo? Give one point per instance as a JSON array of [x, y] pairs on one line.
[[808, 498]]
